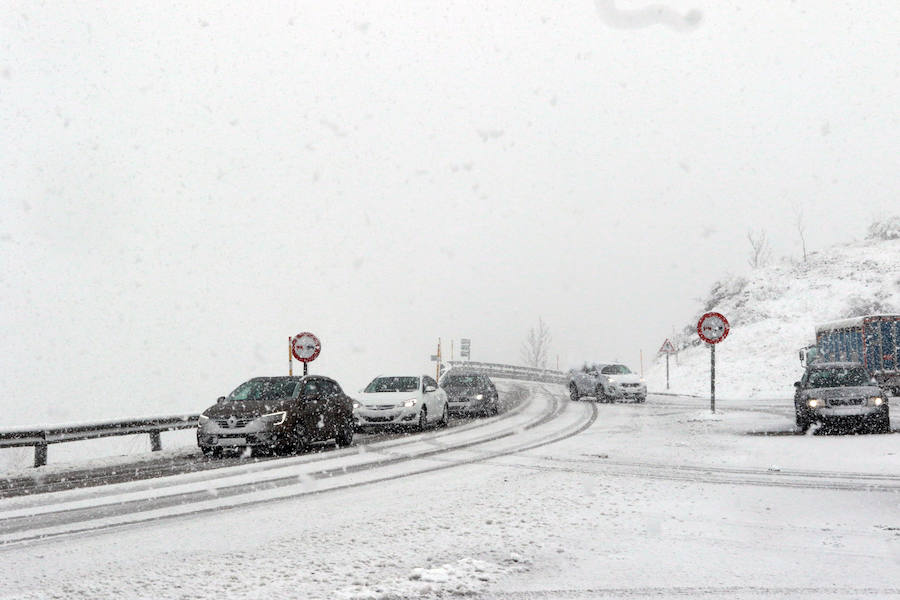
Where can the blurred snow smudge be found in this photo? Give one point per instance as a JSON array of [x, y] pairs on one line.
[[638, 18]]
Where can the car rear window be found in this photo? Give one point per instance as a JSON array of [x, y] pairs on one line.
[[454, 381]]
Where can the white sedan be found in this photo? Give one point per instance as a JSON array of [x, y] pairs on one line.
[[391, 400]]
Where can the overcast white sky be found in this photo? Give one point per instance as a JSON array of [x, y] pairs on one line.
[[185, 185]]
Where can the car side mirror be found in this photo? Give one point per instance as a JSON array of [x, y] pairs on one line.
[[430, 388], [220, 400], [796, 384]]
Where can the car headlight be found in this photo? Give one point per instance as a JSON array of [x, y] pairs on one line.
[[410, 403], [612, 380], [275, 418], [479, 396], [875, 401], [202, 421], [356, 405], [815, 402]]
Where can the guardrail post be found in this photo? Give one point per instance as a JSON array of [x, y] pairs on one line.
[[155, 441], [40, 454]]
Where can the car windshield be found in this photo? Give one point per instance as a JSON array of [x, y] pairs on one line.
[[838, 377], [616, 370], [458, 381], [263, 389], [393, 384]]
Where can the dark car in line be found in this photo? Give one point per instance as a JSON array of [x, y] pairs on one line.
[[277, 414], [470, 392], [841, 394]]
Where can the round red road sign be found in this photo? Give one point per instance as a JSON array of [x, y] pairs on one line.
[[713, 327], [305, 347]]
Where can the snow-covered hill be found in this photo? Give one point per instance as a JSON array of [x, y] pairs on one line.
[[773, 312]]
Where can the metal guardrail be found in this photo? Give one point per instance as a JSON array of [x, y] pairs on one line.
[[512, 371], [41, 438]]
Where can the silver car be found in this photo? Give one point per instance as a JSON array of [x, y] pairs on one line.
[[607, 383], [832, 393]]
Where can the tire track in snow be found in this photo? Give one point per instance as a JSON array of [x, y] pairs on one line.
[[23, 525], [693, 592], [724, 475]]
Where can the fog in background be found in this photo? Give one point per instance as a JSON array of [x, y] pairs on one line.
[[184, 186]]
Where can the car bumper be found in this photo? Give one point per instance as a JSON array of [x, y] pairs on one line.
[[236, 438], [385, 418], [463, 407], [629, 393], [847, 412]]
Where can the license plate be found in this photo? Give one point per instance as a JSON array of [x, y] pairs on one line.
[[232, 441], [845, 411]]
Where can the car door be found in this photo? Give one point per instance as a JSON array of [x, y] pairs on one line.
[[330, 398], [491, 390], [429, 399], [439, 398], [313, 408], [584, 380]]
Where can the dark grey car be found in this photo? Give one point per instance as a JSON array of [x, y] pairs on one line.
[[470, 392], [280, 414], [841, 393]]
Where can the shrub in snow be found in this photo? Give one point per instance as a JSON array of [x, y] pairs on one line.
[[887, 228], [857, 306], [724, 289]]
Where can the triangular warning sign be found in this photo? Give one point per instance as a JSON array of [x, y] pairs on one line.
[[667, 347]]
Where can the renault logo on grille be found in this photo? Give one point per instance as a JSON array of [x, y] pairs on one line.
[[232, 422]]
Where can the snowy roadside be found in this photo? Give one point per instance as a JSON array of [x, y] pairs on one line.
[[551, 522]]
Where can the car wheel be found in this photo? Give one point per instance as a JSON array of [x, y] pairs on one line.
[[423, 419], [601, 395], [883, 425], [300, 440], [495, 409], [573, 392], [802, 423], [344, 435], [445, 416]]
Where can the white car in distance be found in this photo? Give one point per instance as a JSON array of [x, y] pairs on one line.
[[607, 383], [392, 400]]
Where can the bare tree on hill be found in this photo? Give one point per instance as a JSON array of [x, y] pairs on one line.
[[801, 229], [536, 346], [759, 248]]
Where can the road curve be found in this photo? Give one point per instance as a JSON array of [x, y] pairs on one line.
[[542, 418]]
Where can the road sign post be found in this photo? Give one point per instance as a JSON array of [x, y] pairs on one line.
[[465, 348], [305, 347], [712, 328], [668, 349]]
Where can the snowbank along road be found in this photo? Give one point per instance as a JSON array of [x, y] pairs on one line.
[[552, 499]]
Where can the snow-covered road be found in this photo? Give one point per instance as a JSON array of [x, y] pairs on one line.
[[556, 499]]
